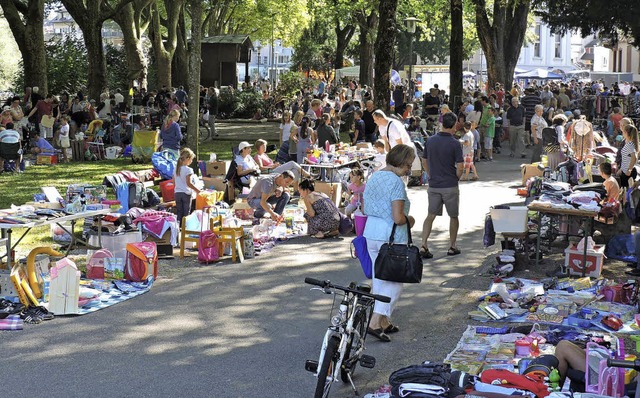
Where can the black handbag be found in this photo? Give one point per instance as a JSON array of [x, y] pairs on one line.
[[399, 262]]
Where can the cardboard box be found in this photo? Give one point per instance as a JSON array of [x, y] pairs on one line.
[[574, 258], [47, 159], [215, 183], [530, 170], [331, 189], [217, 168]]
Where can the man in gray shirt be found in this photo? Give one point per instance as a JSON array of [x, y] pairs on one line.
[[269, 191], [516, 118]]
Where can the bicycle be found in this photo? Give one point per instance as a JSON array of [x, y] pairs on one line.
[[344, 341], [635, 364]]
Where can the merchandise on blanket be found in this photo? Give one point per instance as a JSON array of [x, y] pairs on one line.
[[625, 293], [505, 262], [142, 261], [505, 378], [65, 287], [92, 193], [87, 295], [96, 263]]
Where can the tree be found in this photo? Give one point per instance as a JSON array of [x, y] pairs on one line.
[[383, 52], [90, 15], [367, 24], [608, 18], [67, 64], [456, 53], [26, 19], [134, 20], [314, 50], [501, 36], [164, 37], [344, 28], [195, 64]]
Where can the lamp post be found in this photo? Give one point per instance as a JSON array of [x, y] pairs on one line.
[[410, 23], [275, 76], [271, 77], [259, 56]]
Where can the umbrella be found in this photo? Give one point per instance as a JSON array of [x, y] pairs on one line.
[[395, 77], [538, 74]]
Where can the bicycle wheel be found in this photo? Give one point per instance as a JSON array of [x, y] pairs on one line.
[[349, 364], [328, 365], [204, 134]]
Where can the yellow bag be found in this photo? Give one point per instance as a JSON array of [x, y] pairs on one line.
[[208, 198]]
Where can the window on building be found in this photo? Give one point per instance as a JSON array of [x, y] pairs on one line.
[[536, 41], [558, 45], [265, 60]]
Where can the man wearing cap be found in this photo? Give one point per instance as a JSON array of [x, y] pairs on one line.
[[268, 196], [248, 169]]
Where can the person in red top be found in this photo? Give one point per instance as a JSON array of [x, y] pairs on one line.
[[499, 94], [44, 107], [615, 118]]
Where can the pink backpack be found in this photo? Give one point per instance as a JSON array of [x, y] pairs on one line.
[[208, 243], [95, 265], [142, 261]]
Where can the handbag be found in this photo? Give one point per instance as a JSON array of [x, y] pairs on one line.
[[399, 262]]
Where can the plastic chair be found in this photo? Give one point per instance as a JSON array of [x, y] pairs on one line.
[[234, 237], [194, 235]]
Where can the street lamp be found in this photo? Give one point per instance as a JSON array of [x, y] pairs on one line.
[[410, 23], [275, 77], [259, 56], [271, 77]]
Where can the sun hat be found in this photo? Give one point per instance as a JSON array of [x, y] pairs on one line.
[[6, 108], [243, 144]]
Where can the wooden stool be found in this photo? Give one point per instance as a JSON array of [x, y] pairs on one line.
[[235, 238]]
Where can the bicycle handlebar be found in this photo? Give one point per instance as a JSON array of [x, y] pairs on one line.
[[328, 284], [618, 363]]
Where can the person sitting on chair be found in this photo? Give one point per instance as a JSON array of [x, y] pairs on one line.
[[9, 145], [248, 169], [269, 191]]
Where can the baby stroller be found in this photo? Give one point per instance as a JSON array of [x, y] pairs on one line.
[[143, 146]]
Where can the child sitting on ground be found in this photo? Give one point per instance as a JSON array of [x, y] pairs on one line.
[[381, 156], [610, 182], [356, 190], [468, 142]]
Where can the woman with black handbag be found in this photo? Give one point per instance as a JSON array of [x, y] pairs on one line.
[[386, 204]]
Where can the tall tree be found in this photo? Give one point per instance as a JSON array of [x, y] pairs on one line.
[[90, 15], [383, 52], [609, 18], [134, 20], [195, 51], [344, 27], [26, 19], [456, 53], [164, 37], [501, 31], [367, 25], [180, 61]]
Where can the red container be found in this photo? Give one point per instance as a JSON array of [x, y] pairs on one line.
[[167, 189]]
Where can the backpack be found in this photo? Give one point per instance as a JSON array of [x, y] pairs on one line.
[[142, 261], [436, 374], [150, 198], [95, 265], [165, 162], [506, 378]]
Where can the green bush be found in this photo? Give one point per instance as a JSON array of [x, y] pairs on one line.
[[228, 103], [250, 103]]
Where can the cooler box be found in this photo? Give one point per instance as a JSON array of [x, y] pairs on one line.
[[512, 220], [574, 258]]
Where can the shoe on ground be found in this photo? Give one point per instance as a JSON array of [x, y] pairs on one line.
[[491, 159]]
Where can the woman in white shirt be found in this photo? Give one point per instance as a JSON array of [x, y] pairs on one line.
[[629, 158], [474, 116], [537, 124], [247, 166], [285, 127]]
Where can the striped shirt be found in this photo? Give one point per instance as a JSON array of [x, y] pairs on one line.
[[627, 150]]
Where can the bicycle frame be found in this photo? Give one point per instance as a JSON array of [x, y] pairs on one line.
[[343, 330]]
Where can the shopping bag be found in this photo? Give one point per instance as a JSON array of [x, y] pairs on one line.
[[208, 242], [359, 244]]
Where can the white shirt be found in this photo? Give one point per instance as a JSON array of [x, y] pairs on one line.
[[394, 131], [474, 117], [181, 180], [286, 130], [247, 163], [119, 98], [540, 123], [467, 137]]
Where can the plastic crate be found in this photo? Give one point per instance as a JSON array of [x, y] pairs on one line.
[[512, 220]]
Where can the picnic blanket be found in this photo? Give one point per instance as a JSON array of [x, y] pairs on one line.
[[118, 292]]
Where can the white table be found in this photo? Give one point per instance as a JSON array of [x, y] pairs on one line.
[[6, 230]]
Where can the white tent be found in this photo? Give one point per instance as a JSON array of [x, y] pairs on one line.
[[350, 71]]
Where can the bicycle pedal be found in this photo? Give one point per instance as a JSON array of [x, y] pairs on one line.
[[311, 366], [367, 361]]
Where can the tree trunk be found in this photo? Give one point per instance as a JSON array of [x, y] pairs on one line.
[[164, 47], [130, 22], [29, 36], [502, 38], [195, 51], [180, 64], [456, 55], [384, 54], [368, 25], [343, 37], [92, 34]]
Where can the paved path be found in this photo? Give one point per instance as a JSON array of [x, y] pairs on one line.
[[245, 330]]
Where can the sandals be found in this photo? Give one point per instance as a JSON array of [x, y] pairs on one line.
[[323, 235], [425, 253], [379, 334], [391, 329], [453, 251]]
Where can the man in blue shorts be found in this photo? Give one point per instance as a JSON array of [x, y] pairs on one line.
[[444, 164]]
